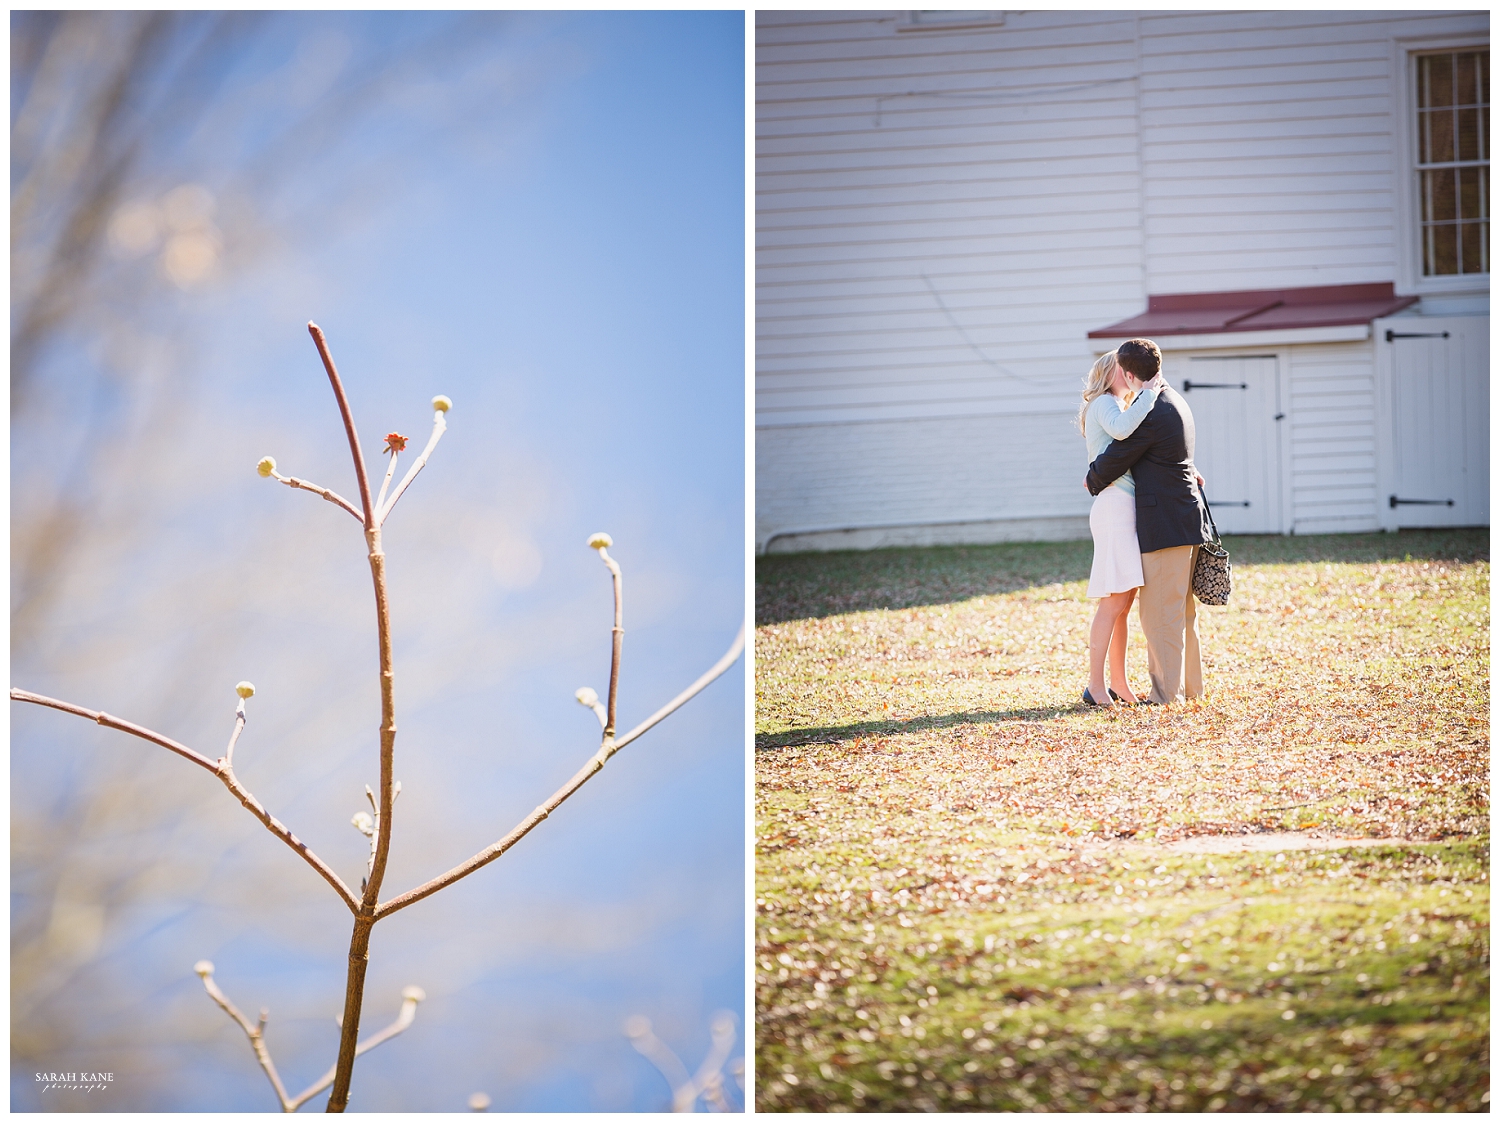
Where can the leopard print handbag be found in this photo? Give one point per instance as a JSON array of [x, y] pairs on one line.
[[1212, 574]]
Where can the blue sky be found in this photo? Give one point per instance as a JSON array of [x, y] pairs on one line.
[[550, 233]]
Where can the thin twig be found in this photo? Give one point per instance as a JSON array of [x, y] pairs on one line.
[[111, 722], [582, 776], [239, 726], [220, 769], [256, 1033], [409, 999], [617, 636], [385, 484], [439, 427], [348, 416], [676, 703], [331, 496]]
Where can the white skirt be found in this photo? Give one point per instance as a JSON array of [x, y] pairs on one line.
[[1117, 552]]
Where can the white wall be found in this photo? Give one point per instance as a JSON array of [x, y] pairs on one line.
[[1039, 179]]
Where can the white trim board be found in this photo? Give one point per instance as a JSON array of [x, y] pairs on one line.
[[1239, 340]]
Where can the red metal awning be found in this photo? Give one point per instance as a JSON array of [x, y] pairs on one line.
[[1206, 313]]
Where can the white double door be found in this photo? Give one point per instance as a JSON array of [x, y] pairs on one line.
[[1235, 401], [1433, 374]]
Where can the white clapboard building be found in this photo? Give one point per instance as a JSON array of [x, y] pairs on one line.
[[957, 211]]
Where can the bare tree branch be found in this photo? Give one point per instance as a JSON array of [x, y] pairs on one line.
[[582, 776], [331, 496], [256, 1033], [359, 942], [724, 663], [219, 768], [348, 416], [367, 909]]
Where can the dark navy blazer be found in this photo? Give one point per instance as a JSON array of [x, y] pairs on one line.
[[1159, 457]]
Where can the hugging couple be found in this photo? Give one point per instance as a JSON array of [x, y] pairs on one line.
[[1148, 520]]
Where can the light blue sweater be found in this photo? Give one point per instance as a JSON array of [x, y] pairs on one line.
[[1105, 421]]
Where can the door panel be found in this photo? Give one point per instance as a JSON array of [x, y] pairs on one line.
[[1439, 391], [1234, 401]]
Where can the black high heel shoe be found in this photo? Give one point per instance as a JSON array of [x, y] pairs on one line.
[[1088, 698]]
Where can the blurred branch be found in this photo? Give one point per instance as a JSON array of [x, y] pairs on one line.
[[707, 1082], [120, 63]]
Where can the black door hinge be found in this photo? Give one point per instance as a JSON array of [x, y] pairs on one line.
[[1420, 502], [1187, 385]]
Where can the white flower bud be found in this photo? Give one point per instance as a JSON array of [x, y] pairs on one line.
[[479, 1102], [266, 466], [363, 822], [204, 967], [600, 541], [245, 689], [416, 994], [587, 696], [442, 403]]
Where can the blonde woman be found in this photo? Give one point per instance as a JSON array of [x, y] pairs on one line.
[[1114, 403]]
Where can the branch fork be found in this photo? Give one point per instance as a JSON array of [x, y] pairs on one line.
[[256, 1034]]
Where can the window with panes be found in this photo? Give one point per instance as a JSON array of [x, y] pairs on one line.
[[1453, 161]]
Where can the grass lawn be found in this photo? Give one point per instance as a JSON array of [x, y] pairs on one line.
[[974, 893]]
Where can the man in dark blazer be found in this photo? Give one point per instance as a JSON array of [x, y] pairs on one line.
[[1171, 522]]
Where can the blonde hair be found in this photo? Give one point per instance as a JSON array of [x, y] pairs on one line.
[[1100, 375]]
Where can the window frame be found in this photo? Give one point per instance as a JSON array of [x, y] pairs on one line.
[[1410, 278]]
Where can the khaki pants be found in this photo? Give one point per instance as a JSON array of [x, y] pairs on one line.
[[1170, 620]]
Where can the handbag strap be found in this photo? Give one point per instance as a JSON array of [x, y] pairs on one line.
[[1210, 510]]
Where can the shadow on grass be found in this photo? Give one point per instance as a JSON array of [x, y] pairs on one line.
[[836, 734], [802, 586]]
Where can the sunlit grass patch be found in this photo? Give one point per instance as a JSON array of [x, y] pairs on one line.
[[973, 893], [1273, 981]]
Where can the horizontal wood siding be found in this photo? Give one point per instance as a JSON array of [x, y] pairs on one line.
[[1332, 414], [943, 215], [986, 468], [1267, 146]]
